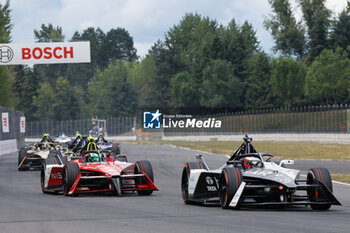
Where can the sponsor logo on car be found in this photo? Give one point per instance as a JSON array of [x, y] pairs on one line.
[[209, 180], [56, 176], [212, 188]]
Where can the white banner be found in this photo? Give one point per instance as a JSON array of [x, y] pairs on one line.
[[8, 146], [22, 124], [45, 53], [5, 122]]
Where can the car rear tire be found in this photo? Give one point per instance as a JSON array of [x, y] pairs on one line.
[[229, 182], [56, 154], [144, 166], [52, 161], [70, 174], [115, 148], [21, 155], [319, 174]]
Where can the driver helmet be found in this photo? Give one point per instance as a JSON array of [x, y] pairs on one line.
[[250, 162], [94, 157], [91, 139], [91, 144], [78, 135]]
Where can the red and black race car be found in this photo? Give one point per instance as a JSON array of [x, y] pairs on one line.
[[96, 171]]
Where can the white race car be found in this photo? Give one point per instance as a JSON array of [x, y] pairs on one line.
[[252, 179]]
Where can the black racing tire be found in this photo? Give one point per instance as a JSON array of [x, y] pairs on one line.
[[229, 182], [21, 155], [57, 155], [146, 167], [184, 183], [51, 161], [116, 148], [69, 175], [319, 174], [64, 159]]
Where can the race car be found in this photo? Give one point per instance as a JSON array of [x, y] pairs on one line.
[[96, 171], [81, 141], [63, 139], [103, 144], [78, 143], [251, 179], [31, 156]]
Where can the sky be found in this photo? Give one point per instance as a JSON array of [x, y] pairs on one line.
[[146, 20]]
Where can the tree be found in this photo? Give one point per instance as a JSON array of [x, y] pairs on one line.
[[27, 82], [7, 98], [184, 91], [329, 75], [340, 30], [191, 46], [95, 36], [166, 65], [288, 79], [289, 35], [110, 94], [116, 45], [317, 20], [258, 88], [239, 44], [44, 102], [5, 22], [192, 40], [140, 78], [49, 33], [66, 105], [79, 74], [220, 88]]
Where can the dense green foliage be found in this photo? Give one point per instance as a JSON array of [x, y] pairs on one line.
[[200, 63], [288, 34], [329, 76], [288, 79], [7, 99]]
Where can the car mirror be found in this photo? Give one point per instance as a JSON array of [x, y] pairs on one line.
[[288, 162]]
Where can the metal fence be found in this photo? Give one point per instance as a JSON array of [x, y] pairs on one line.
[[14, 126], [311, 119], [114, 126]]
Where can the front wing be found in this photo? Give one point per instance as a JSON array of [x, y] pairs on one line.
[[204, 188]]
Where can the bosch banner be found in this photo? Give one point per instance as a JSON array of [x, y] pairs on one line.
[[22, 124], [5, 122], [45, 53]]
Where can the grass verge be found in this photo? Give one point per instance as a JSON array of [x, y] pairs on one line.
[[341, 177], [281, 150]]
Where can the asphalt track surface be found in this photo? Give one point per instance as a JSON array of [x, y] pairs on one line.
[[24, 208]]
